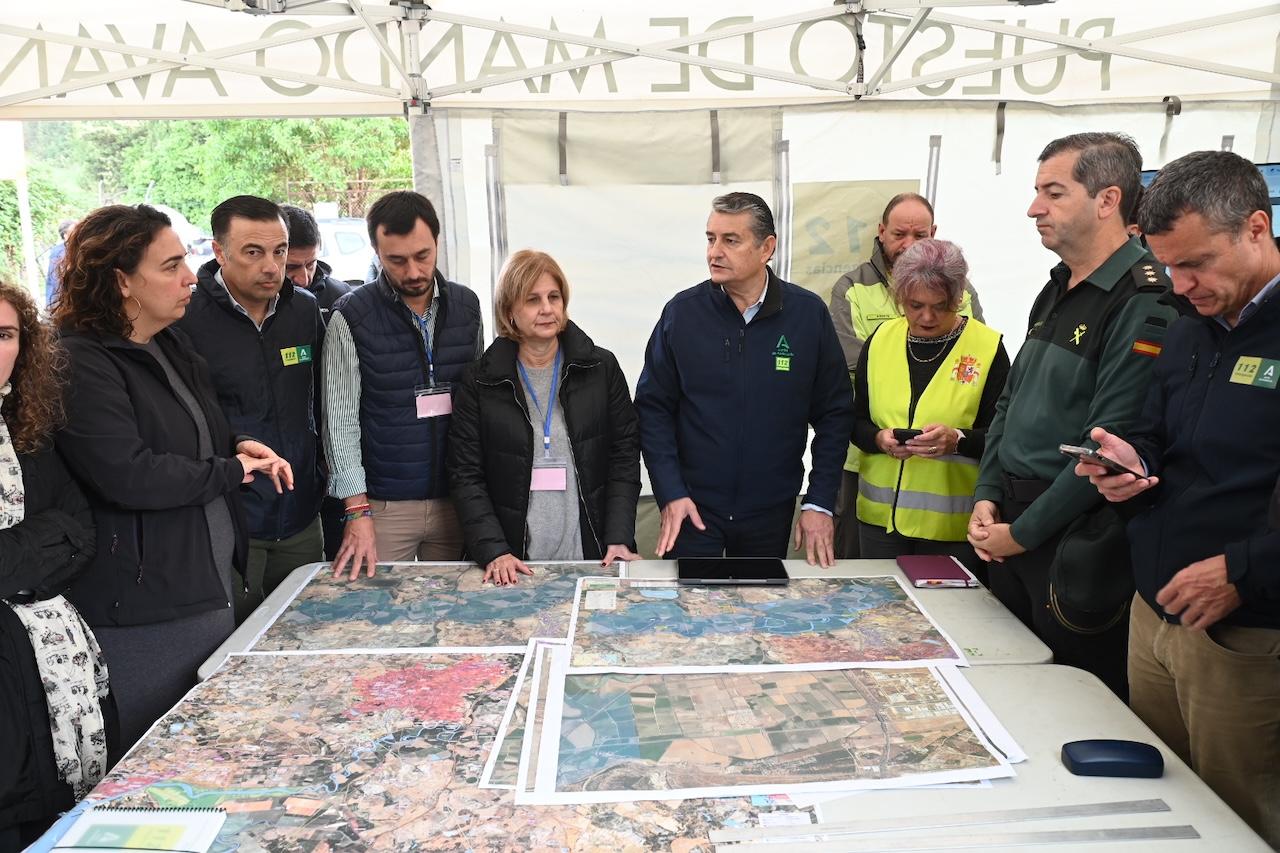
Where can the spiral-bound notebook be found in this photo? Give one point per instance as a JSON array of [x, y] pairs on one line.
[[172, 830]]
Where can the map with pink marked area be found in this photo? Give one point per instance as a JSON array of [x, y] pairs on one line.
[[325, 752]]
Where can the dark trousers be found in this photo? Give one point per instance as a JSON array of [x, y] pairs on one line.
[[879, 544], [847, 537], [331, 512], [1021, 584], [761, 534]]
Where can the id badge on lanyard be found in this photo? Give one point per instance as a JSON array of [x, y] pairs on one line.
[[433, 401], [550, 473]]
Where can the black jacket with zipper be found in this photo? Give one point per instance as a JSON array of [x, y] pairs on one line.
[[39, 558], [1208, 431], [133, 447], [268, 387], [327, 289], [491, 447]]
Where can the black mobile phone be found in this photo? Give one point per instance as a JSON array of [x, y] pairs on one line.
[[731, 570], [904, 435], [1093, 457]]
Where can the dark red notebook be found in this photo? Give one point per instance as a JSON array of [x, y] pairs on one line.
[[925, 570]]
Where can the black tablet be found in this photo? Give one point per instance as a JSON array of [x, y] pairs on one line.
[[731, 570]]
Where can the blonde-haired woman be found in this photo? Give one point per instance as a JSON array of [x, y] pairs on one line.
[[544, 454]]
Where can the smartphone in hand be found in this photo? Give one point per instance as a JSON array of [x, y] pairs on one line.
[[902, 436], [1093, 457]]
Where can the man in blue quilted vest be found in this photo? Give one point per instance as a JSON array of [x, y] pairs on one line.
[[392, 351]]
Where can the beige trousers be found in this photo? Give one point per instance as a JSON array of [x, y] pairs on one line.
[[416, 530], [1214, 697]]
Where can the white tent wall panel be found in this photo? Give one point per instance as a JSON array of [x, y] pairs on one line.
[[982, 211]]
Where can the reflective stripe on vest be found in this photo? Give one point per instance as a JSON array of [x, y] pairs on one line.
[[920, 497], [869, 306]]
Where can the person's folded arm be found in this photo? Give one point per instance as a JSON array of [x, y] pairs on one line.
[[341, 425], [1121, 389], [101, 443]]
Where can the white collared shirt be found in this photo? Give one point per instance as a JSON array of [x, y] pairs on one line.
[[271, 306]]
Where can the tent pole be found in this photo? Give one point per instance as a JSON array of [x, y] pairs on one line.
[[424, 145]]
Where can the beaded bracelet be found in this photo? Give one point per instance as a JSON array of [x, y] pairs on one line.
[[353, 515]]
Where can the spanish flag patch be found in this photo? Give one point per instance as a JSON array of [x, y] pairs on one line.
[[1148, 348]]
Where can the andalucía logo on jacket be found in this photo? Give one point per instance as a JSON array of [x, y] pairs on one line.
[[967, 370], [782, 354]]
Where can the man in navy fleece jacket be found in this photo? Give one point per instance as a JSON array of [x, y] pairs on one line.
[[737, 370]]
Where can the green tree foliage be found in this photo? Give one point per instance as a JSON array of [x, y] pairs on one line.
[[50, 204], [192, 165]]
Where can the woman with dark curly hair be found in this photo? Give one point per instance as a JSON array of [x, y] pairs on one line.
[[147, 440], [54, 717]]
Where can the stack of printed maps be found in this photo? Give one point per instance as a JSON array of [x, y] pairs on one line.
[[423, 710]]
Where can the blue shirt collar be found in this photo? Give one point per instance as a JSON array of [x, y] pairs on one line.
[[1254, 304]]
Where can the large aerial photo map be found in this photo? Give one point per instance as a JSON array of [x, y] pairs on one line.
[[374, 752], [413, 606], [641, 625], [624, 735]]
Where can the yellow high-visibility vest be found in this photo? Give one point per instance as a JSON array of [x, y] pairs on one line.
[[921, 497], [869, 306]]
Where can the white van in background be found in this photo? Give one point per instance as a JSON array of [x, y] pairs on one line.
[[344, 246]]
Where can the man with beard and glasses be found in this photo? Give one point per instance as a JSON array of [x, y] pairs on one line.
[[262, 338], [394, 348], [863, 299]]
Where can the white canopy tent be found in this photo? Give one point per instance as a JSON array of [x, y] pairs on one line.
[[518, 113], [600, 132]]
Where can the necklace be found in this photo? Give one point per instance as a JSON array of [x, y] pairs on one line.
[[943, 339]]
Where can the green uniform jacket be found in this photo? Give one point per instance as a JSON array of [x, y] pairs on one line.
[[1086, 362], [861, 301]]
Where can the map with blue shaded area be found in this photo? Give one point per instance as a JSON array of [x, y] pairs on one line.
[[405, 606], [381, 602], [645, 624], [785, 616]]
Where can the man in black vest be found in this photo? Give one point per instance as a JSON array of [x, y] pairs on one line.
[[303, 265], [395, 346], [262, 338]]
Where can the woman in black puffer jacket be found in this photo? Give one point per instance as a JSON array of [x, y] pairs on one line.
[[544, 453]]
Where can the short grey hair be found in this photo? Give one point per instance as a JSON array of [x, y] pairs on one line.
[[1106, 160], [761, 217], [1224, 188], [934, 265]]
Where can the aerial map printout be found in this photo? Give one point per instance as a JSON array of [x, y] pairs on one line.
[[660, 626], [426, 605], [376, 752], [502, 768], [626, 736]]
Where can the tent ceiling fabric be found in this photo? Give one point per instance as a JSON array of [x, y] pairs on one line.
[[188, 58]]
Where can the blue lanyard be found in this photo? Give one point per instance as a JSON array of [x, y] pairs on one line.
[[424, 322], [551, 402]]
